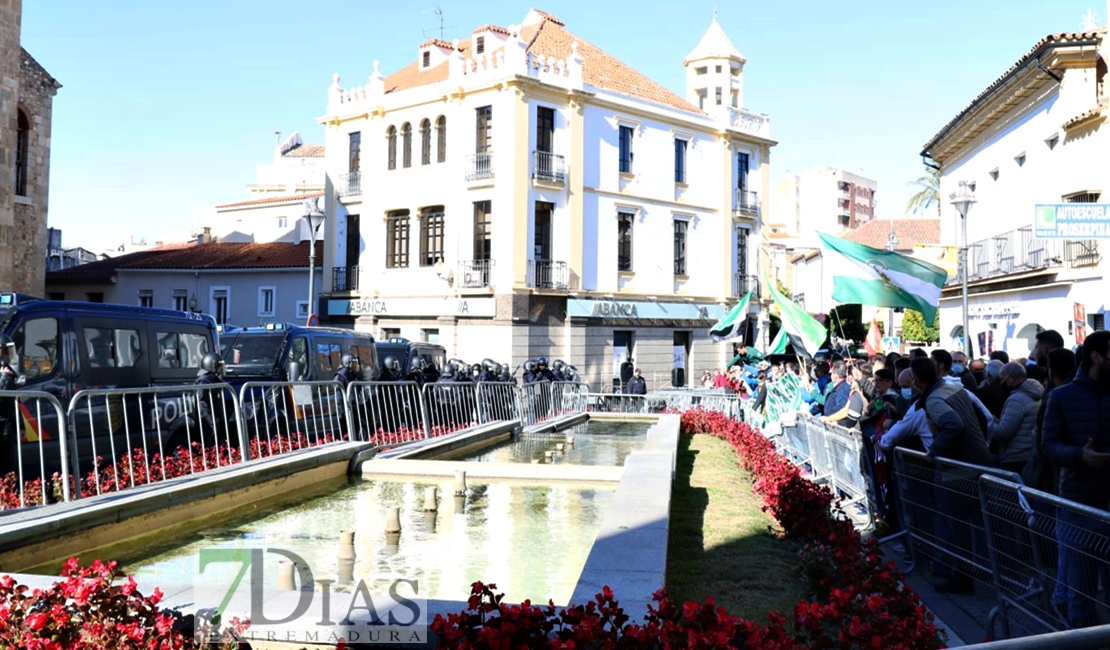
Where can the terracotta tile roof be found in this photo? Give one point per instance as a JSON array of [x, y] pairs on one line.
[[1058, 38], [550, 39], [549, 17], [492, 28], [909, 231], [288, 198], [211, 256], [438, 43], [1084, 117], [305, 151]]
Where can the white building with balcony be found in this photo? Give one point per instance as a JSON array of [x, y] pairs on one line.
[[1037, 135], [521, 193]]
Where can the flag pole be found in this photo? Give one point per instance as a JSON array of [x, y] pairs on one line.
[[840, 325]]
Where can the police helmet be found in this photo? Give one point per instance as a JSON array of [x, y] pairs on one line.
[[213, 363], [476, 369], [450, 368], [489, 364], [349, 361], [542, 361], [559, 365], [530, 365], [417, 364], [392, 364]]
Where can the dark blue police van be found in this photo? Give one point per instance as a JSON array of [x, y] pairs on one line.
[[63, 347]]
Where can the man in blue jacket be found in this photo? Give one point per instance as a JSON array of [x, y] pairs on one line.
[[1076, 438]]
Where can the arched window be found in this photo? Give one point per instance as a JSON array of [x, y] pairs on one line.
[[425, 142], [406, 145], [441, 139], [22, 141], [391, 145]]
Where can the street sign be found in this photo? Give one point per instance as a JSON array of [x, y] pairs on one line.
[[1072, 221], [892, 344]]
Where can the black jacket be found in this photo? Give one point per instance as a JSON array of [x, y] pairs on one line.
[[637, 386], [1076, 412]]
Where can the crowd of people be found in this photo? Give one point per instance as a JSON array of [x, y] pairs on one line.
[[1045, 418]]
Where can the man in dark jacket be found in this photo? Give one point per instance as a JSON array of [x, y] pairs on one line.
[[1076, 439], [951, 417], [839, 390], [1047, 341], [991, 393], [637, 385]]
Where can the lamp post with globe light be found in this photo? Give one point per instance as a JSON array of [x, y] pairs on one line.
[[962, 199], [891, 244], [314, 217]]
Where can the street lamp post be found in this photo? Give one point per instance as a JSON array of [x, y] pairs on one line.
[[891, 244], [314, 217], [962, 200]]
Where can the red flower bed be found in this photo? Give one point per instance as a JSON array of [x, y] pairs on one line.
[[857, 600], [89, 610]]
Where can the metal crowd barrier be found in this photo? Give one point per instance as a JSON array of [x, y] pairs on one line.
[[386, 413], [120, 438], [35, 446], [616, 403], [286, 415], [535, 402], [568, 397], [450, 407], [941, 512], [498, 401]]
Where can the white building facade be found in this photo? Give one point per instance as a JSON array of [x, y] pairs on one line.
[[521, 193], [1035, 136], [825, 200]]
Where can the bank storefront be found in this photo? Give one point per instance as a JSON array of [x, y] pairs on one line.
[[668, 341], [458, 323]]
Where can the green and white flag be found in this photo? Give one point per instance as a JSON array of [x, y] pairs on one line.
[[732, 326], [806, 332], [879, 278], [778, 346]]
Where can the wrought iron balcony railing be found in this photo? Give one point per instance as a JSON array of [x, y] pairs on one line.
[[1017, 251], [742, 283], [479, 166], [747, 204], [474, 274], [549, 167], [544, 274], [344, 278], [350, 184]]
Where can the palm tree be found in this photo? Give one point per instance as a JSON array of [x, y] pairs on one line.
[[928, 193]]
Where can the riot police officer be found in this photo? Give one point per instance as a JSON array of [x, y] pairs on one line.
[[530, 372], [392, 370], [542, 371], [347, 372], [559, 370], [212, 369], [416, 372]]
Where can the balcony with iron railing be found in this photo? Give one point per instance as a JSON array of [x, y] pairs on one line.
[[344, 278], [350, 184], [549, 167], [1019, 251], [479, 166], [746, 205], [742, 283], [475, 274], [545, 274]]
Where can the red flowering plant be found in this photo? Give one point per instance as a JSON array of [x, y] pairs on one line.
[[91, 609], [858, 601]]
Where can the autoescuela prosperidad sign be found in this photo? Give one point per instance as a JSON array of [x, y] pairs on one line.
[[1072, 221]]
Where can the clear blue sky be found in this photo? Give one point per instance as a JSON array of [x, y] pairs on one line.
[[168, 107]]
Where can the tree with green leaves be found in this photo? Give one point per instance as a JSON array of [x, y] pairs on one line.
[[928, 192], [914, 329]]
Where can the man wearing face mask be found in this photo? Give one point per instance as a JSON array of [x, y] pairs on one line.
[[1014, 434], [911, 430], [1076, 437], [961, 371]]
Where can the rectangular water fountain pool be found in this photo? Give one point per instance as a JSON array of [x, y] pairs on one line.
[[597, 443], [532, 541]]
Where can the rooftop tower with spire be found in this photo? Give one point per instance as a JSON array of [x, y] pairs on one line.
[[715, 71]]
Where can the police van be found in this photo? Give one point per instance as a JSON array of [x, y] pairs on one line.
[[63, 347], [286, 352], [406, 352]]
